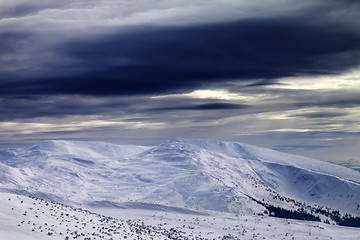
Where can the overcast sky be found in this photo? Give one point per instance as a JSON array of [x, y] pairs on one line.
[[282, 74]]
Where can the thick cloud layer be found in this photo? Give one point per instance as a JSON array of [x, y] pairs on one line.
[[144, 71], [151, 59]]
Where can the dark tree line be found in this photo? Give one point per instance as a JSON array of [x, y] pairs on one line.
[[310, 215]]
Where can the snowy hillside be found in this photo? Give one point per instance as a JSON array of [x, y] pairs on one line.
[[184, 176], [36, 219]]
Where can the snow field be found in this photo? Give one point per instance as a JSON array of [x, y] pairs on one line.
[[29, 218]]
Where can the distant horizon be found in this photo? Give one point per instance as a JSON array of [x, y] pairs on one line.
[[350, 164]]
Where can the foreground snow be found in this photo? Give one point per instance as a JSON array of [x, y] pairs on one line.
[[34, 219]]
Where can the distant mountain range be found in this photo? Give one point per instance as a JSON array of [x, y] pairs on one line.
[[353, 164], [182, 175]]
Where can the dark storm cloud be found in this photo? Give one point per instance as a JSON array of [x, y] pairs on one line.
[[27, 107], [143, 119], [352, 100], [15, 9], [265, 82], [207, 106], [10, 41], [298, 147], [149, 59], [24, 9], [320, 115], [126, 107]]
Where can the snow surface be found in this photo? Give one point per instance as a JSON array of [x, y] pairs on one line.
[[35, 219], [182, 178]]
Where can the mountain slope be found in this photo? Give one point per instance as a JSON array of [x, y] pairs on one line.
[[181, 175], [31, 218]]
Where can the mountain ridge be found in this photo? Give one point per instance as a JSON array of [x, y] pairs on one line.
[[193, 174]]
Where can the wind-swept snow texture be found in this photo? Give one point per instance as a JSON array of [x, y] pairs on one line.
[[183, 176], [36, 219]]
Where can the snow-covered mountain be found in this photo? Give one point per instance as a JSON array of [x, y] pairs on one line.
[[188, 176]]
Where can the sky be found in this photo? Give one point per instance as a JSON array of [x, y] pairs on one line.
[[282, 74]]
